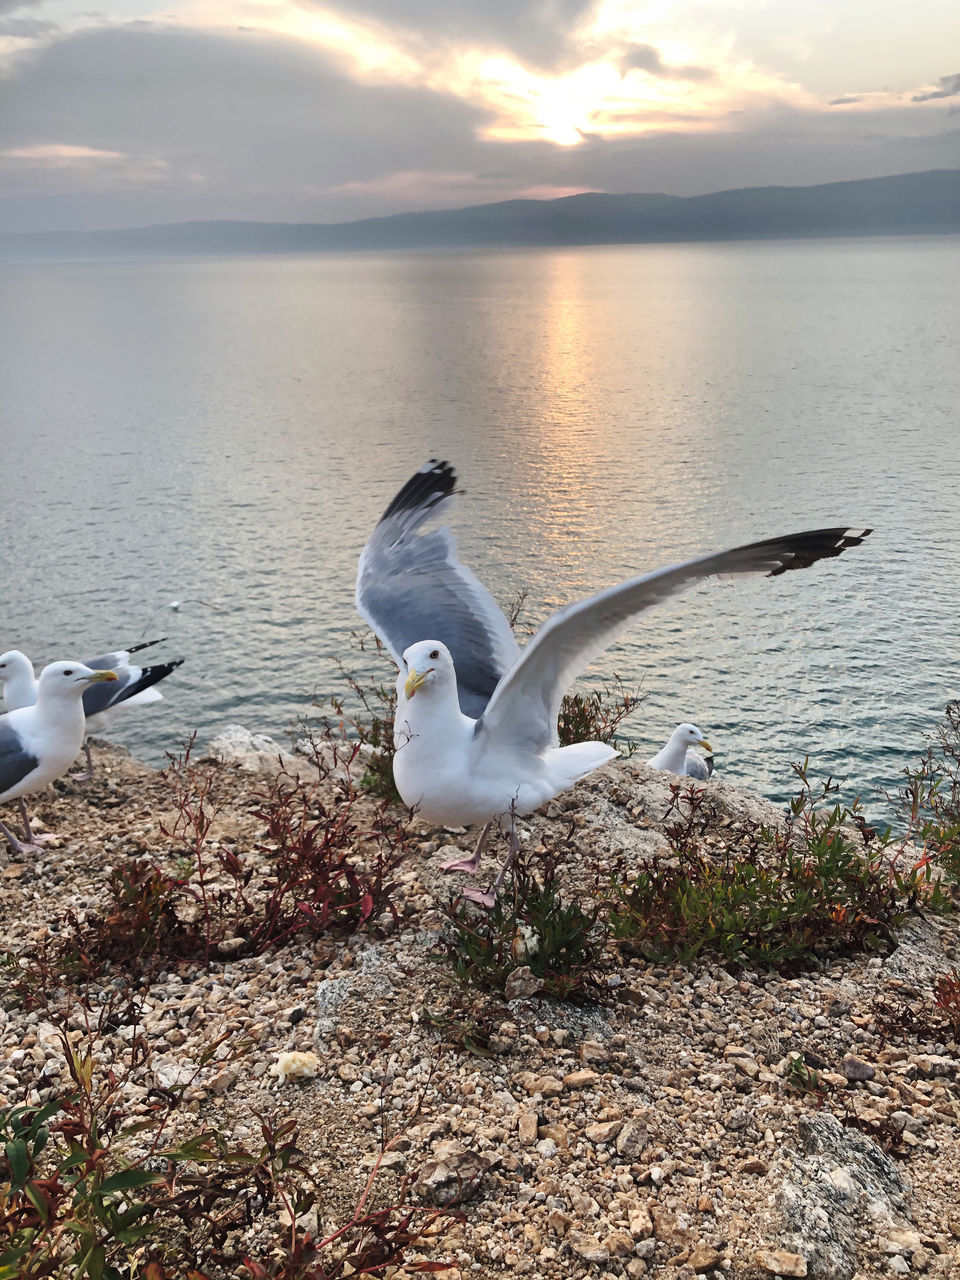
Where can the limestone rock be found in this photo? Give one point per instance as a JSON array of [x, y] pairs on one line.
[[780, 1263], [703, 1257], [856, 1069], [584, 1079], [603, 1132], [820, 1219], [527, 1127], [521, 983], [588, 1247], [295, 1065], [632, 1139], [454, 1174]]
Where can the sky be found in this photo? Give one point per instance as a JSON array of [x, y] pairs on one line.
[[302, 111]]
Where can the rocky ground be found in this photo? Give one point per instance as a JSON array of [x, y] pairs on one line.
[[653, 1133]]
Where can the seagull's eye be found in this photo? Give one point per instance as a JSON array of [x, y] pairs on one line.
[[435, 653], [69, 673]]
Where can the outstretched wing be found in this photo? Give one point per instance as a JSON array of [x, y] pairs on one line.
[[411, 586], [526, 702], [130, 681]]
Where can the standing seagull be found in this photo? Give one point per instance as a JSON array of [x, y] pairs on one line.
[[39, 743], [475, 729], [133, 688], [679, 757]]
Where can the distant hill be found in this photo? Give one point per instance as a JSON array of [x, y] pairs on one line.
[[908, 204]]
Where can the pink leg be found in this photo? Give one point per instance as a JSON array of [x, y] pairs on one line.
[[488, 898], [469, 865], [33, 841]]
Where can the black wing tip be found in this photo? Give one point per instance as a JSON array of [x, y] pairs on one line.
[[144, 644], [801, 550], [160, 670], [149, 676], [433, 482]]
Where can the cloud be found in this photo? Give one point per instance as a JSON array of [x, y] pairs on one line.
[[645, 57], [843, 102], [152, 121], [540, 32], [949, 88], [26, 28], [245, 109], [61, 154]]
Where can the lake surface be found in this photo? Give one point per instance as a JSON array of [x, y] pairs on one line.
[[231, 430]]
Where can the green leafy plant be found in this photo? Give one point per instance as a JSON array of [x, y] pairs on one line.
[[781, 897], [805, 1079], [530, 925]]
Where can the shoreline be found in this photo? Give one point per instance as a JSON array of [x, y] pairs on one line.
[[656, 1132]]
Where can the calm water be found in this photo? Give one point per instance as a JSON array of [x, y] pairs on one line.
[[232, 429]]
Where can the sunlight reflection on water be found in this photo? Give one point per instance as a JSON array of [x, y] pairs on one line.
[[232, 429]]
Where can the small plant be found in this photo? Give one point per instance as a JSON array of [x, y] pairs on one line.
[[319, 870], [320, 883], [369, 720], [805, 1079], [928, 803], [529, 926], [946, 991], [466, 1024], [784, 898], [596, 716]]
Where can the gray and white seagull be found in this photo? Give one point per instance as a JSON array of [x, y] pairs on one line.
[[475, 729], [133, 687], [39, 743]]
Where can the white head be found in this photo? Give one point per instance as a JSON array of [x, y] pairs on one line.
[[426, 668], [13, 663], [690, 736], [17, 680], [66, 681]]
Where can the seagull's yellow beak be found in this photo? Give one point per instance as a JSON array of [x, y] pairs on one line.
[[705, 744], [99, 676], [414, 681]]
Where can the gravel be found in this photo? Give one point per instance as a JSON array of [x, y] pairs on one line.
[[655, 1134]]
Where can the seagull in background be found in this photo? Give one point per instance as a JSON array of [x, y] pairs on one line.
[[39, 743], [133, 687], [678, 756]]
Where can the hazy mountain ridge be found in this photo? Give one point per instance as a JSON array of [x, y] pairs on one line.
[[906, 204]]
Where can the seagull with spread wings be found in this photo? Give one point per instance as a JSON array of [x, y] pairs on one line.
[[475, 729]]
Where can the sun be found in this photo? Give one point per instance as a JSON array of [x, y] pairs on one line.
[[561, 116]]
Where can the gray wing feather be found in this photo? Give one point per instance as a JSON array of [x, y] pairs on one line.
[[525, 704], [411, 586], [97, 697], [15, 761], [695, 766], [130, 681]]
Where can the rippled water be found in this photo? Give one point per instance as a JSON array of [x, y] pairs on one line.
[[232, 429]]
